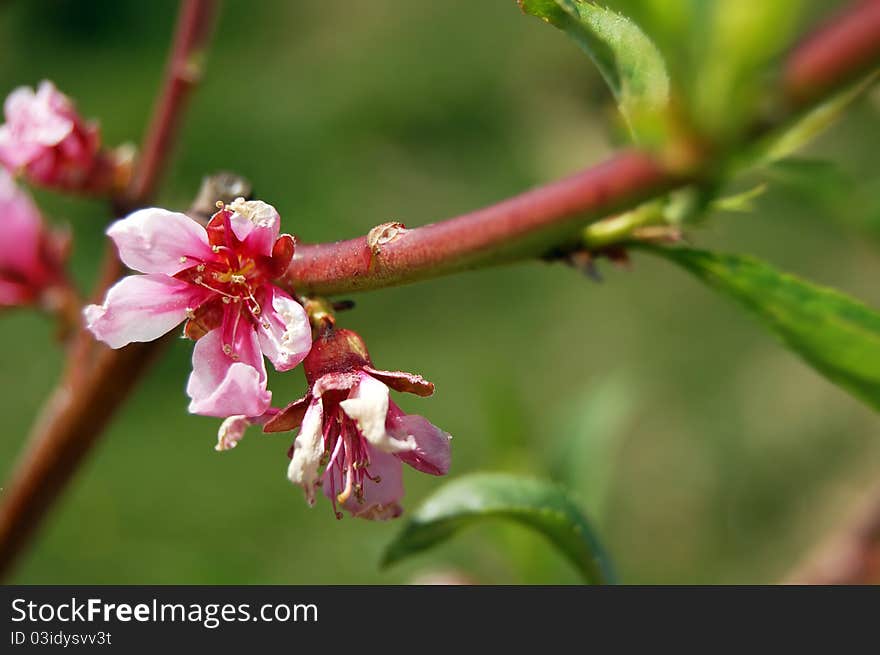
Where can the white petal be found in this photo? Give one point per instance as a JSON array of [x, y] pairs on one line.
[[308, 448], [231, 432], [367, 405]]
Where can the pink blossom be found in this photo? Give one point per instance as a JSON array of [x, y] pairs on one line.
[[349, 426], [30, 257], [46, 139], [219, 279]]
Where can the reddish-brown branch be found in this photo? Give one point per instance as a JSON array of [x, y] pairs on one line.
[[97, 379], [529, 224], [72, 421], [194, 28], [525, 225], [844, 48], [850, 556]]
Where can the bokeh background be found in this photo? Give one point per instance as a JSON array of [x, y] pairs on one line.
[[703, 451]]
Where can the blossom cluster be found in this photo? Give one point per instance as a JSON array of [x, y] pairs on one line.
[[221, 281]]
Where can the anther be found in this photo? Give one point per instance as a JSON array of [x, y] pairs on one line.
[[215, 248], [183, 259], [227, 349], [225, 299]]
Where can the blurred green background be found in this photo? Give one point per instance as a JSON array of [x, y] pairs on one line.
[[703, 451]]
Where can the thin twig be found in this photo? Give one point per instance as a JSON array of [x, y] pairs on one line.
[[98, 379]]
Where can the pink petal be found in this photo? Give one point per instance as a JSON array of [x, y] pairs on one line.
[[402, 381], [156, 240], [222, 386], [15, 154], [287, 339], [432, 453], [22, 229], [142, 308], [381, 500], [38, 117], [256, 224]]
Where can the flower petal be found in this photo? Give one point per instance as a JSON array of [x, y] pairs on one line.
[[367, 405], [308, 449], [22, 229], [288, 337], [156, 240], [220, 385], [142, 308], [256, 224], [381, 494], [432, 453], [231, 432]]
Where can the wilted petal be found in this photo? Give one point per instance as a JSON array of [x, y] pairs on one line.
[[156, 240], [367, 405], [142, 308], [432, 453], [231, 432], [308, 449], [288, 337], [381, 496], [256, 224], [220, 385], [290, 417]]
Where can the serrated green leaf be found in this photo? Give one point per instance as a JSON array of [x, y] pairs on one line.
[[627, 59], [542, 506], [837, 335]]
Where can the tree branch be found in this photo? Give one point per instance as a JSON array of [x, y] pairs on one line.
[[97, 379], [523, 226]]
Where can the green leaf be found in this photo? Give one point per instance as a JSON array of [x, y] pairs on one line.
[[627, 59], [539, 505], [792, 138], [837, 335]]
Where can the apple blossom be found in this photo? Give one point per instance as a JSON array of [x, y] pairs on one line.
[[218, 278], [349, 426]]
